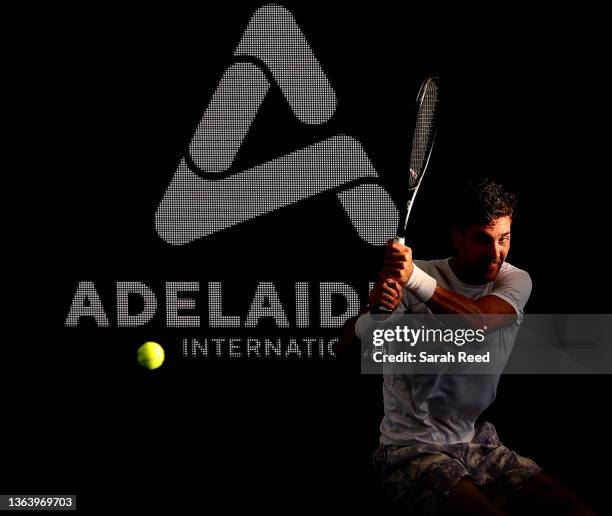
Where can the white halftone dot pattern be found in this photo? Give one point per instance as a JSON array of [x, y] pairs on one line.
[[266, 293], [332, 345], [86, 303], [253, 348], [293, 349], [273, 347], [216, 318], [194, 207], [274, 37], [302, 315], [198, 349], [174, 303], [326, 290], [228, 117], [124, 289], [372, 212], [235, 350]]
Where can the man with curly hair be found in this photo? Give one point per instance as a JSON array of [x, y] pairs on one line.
[[433, 457]]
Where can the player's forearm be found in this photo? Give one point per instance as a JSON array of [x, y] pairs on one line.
[[477, 312], [447, 302]]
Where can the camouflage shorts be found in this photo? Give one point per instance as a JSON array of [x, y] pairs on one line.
[[420, 477]]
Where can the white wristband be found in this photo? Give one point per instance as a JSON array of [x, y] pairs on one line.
[[421, 284]]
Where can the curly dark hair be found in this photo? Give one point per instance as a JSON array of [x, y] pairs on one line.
[[483, 202]]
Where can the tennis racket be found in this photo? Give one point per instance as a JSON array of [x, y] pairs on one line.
[[422, 144], [420, 152]]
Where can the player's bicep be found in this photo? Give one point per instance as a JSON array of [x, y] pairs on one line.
[[495, 305], [495, 312]]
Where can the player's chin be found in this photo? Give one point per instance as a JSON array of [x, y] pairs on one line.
[[490, 274]]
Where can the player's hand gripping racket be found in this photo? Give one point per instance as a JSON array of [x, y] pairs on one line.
[[422, 144]]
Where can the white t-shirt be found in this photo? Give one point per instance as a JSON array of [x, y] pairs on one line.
[[442, 408]]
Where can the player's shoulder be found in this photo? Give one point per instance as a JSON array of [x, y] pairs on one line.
[[509, 272]]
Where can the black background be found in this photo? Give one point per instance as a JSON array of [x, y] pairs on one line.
[[110, 100]]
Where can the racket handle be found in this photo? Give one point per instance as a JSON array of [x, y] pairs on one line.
[[382, 309]]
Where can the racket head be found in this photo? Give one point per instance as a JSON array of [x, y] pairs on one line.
[[424, 131], [423, 139]]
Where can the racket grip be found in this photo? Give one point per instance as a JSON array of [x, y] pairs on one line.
[[382, 309]]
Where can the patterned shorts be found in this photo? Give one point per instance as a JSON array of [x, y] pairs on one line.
[[420, 477]]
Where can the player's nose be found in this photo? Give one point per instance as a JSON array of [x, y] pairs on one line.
[[493, 253]]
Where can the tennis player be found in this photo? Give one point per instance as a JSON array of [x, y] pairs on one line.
[[433, 457]]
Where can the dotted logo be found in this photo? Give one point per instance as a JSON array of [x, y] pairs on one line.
[[199, 202]]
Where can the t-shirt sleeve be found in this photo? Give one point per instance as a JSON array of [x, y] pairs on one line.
[[514, 286]]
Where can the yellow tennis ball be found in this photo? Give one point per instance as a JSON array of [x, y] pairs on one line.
[[151, 355]]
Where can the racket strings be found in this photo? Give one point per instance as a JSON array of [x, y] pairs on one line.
[[423, 133]]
